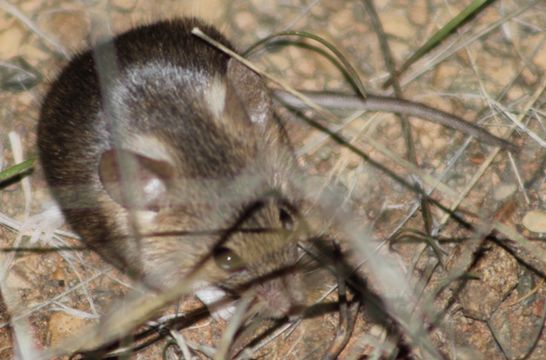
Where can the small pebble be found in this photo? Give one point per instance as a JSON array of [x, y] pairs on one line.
[[504, 191], [535, 221]]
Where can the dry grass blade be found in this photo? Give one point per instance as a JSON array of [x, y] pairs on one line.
[[344, 333], [235, 323], [347, 314], [334, 101]]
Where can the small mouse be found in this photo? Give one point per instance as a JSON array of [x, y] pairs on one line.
[[170, 160]]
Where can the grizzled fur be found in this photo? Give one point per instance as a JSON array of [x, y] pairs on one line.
[[164, 139]]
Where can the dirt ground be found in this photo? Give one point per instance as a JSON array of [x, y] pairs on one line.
[[474, 294]]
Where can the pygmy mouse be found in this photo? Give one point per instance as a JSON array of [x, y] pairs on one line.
[[169, 160]]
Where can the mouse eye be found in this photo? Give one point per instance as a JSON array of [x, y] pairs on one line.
[[227, 259], [286, 219]]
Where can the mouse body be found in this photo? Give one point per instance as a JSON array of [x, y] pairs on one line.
[[167, 159]]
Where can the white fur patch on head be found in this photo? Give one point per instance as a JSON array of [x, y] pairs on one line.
[[148, 146], [215, 96]]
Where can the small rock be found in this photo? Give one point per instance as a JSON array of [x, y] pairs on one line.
[[497, 271], [62, 326], [474, 340], [419, 13], [504, 191], [396, 23], [70, 28], [341, 20], [540, 59], [306, 67], [245, 21], [16, 281], [212, 11], [11, 41], [6, 22], [279, 60], [535, 221], [515, 326]]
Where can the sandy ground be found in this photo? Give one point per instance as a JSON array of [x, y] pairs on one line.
[[490, 72]]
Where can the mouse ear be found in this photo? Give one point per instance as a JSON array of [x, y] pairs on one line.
[[133, 180], [251, 92]]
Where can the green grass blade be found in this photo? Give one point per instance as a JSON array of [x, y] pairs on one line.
[[470, 11], [16, 170]]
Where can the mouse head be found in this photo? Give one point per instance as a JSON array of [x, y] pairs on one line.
[[223, 205], [259, 252]]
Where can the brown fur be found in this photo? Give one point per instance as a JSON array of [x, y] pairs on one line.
[[136, 154]]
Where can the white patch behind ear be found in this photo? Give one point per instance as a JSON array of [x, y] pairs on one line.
[[215, 96], [148, 146], [145, 218]]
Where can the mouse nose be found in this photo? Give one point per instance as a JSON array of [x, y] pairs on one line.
[[280, 297]]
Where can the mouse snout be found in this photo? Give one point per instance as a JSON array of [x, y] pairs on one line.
[[281, 296]]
